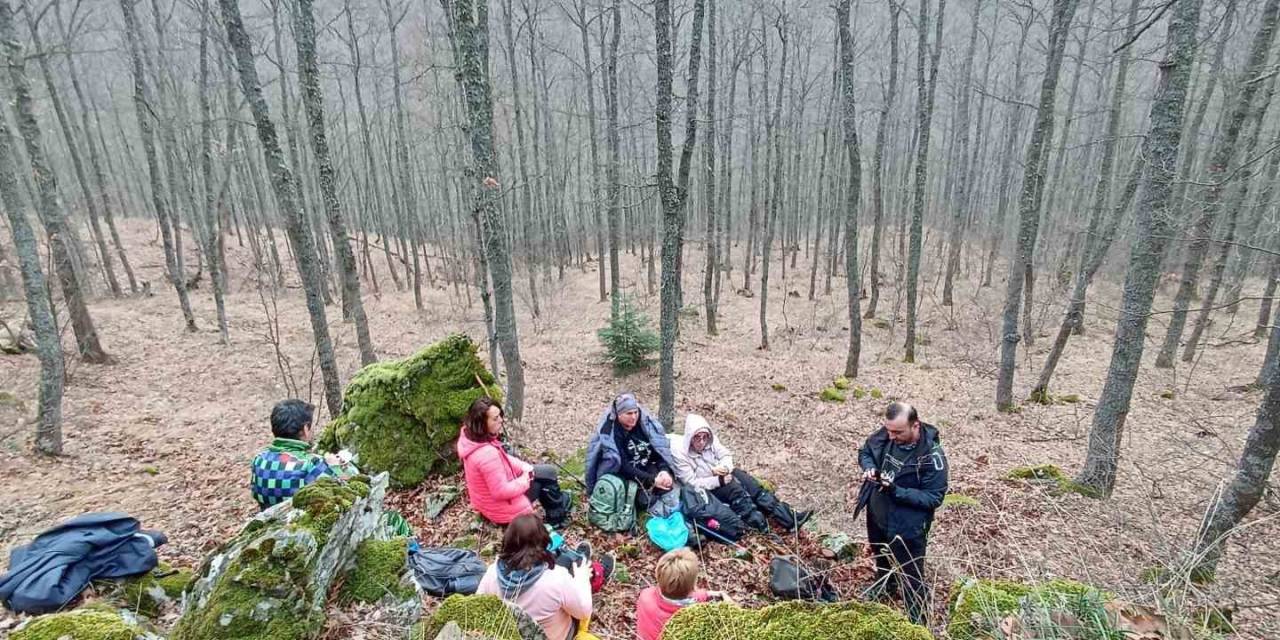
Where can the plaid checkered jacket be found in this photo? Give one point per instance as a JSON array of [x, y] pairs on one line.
[[283, 468]]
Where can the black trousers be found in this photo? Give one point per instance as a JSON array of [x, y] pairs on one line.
[[545, 488], [752, 503], [900, 564]]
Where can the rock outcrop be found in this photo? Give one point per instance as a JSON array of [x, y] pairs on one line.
[[271, 581]]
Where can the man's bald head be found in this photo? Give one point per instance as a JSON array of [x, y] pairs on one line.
[[902, 422]]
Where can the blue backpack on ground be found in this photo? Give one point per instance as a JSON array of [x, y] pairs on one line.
[[668, 533]]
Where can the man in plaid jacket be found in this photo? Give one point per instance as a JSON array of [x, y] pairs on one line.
[[288, 465]]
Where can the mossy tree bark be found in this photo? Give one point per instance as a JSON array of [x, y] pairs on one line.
[[286, 196], [853, 189], [1216, 177], [34, 288], [46, 196], [470, 29], [1151, 230], [1030, 200], [673, 189], [304, 30]]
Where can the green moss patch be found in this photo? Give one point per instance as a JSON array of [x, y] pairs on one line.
[[788, 620], [831, 394], [379, 567], [80, 624], [150, 593], [841, 383], [483, 615], [952, 500], [403, 416], [1052, 476], [1058, 608]]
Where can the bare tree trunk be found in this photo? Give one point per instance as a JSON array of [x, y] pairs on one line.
[[73, 150], [1268, 299], [143, 105], [709, 142], [35, 289], [849, 122], [1008, 151], [1098, 238], [672, 190], [1030, 200], [960, 197], [1249, 481], [924, 118], [212, 233], [100, 181], [304, 34], [774, 196], [286, 195], [471, 50], [615, 160], [1215, 175], [1151, 226], [19, 95], [877, 178]]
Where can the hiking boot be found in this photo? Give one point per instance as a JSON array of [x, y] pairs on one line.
[[801, 517], [584, 550]]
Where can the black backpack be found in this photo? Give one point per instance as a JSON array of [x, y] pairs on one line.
[[444, 571], [789, 579]]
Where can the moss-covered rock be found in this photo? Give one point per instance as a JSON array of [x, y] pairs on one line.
[[150, 593], [379, 572], [403, 416], [271, 581], [788, 620], [484, 615], [80, 624], [712, 621], [978, 608], [831, 394]]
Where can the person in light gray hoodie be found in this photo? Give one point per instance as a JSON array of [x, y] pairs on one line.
[[702, 460]]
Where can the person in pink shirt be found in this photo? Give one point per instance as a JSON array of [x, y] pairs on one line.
[[677, 573], [499, 485], [526, 574]]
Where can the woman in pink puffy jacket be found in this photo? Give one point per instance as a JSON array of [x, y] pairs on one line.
[[499, 485]]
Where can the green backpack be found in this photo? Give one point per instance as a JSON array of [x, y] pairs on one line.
[[613, 504]]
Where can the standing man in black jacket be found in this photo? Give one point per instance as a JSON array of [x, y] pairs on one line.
[[904, 475]]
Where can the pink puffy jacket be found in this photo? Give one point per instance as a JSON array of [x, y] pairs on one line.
[[496, 481]]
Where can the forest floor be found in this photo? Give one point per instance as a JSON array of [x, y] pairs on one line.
[[167, 432]]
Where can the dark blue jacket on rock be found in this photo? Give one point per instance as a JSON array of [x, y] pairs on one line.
[[51, 571], [906, 507]]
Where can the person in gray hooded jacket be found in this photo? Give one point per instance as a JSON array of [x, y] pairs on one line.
[[702, 460]]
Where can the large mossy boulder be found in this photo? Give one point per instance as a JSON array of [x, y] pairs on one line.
[[380, 573], [986, 608], [81, 624], [402, 416], [481, 616], [271, 581], [843, 621]]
